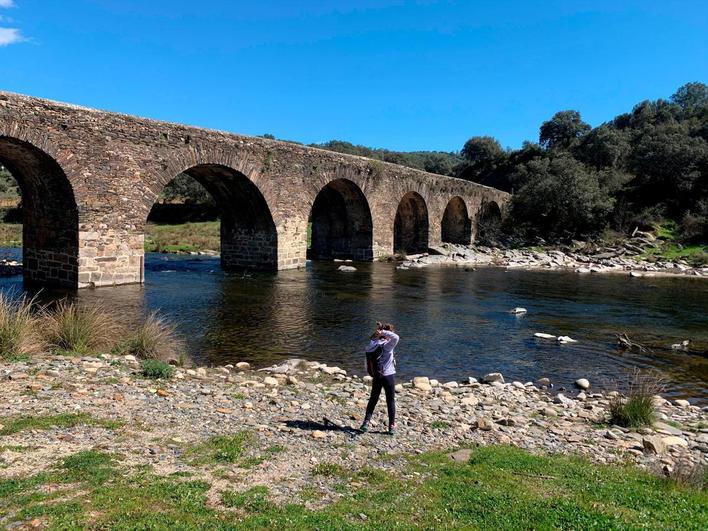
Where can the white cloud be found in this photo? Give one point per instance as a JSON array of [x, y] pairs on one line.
[[7, 3], [10, 36]]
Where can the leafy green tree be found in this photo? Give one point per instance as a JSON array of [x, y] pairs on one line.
[[558, 196], [691, 95], [482, 150], [563, 130]]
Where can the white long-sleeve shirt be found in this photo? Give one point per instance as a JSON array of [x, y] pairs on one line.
[[387, 362]]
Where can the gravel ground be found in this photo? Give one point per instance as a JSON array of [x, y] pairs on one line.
[[284, 409]]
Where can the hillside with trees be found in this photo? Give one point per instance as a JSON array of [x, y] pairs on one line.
[[640, 169]]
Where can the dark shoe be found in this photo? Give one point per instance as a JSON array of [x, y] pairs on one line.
[[392, 430], [364, 427]]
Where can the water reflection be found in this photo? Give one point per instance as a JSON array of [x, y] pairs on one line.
[[453, 323]]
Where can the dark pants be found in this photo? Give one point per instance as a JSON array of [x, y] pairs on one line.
[[389, 386]]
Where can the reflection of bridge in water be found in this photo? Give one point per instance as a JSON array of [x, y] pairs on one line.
[[89, 179]]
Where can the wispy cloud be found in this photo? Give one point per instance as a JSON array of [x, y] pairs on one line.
[[10, 36]]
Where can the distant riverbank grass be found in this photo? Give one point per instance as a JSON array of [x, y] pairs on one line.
[[10, 235], [186, 237], [498, 488], [182, 238]]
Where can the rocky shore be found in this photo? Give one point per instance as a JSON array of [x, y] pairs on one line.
[[301, 415], [598, 260]]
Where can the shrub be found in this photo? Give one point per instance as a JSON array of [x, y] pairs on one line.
[[155, 339], [80, 330], [157, 370], [637, 409], [19, 330]]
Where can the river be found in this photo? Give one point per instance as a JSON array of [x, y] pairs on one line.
[[453, 323]]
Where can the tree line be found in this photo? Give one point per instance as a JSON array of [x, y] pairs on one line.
[[642, 167]]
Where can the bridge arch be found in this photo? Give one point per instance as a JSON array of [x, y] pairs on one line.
[[489, 220], [50, 216], [411, 226], [249, 239], [341, 223], [456, 226]]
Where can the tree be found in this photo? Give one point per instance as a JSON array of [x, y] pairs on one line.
[[604, 147], [691, 95], [563, 130], [482, 150], [558, 196]]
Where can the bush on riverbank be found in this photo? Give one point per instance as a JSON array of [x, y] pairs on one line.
[[155, 339], [637, 408], [19, 329], [157, 370], [77, 330]]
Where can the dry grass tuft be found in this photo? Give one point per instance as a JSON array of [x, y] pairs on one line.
[[156, 339], [80, 330], [19, 328]]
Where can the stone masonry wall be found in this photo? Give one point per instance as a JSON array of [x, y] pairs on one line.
[[116, 165]]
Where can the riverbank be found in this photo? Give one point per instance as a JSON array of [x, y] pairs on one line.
[[245, 446], [581, 261]]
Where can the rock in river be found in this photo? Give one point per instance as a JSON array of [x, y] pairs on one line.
[[493, 377], [541, 335], [583, 383]]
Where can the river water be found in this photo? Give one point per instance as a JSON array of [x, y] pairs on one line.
[[453, 323]]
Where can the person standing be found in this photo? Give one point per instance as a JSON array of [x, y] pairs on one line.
[[384, 377]]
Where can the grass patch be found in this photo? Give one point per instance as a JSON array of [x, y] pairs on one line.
[[90, 466], [499, 488], [80, 330], [222, 449], [12, 425], [19, 329], [637, 408], [157, 370], [155, 339], [254, 500], [329, 470], [439, 425], [183, 238]]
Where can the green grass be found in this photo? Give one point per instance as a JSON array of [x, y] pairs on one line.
[[183, 238], [221, 449], [636, 409], [669, 249], [329, 469], [499, 488], [12, 425], [632, 411], [157, 370], [439, 425]]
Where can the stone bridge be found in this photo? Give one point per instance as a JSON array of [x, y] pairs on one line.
[[90, 178]]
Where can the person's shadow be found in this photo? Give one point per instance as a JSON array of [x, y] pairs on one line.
[[325, 425]]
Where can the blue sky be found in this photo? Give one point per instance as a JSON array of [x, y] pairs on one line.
[[399, 74]]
